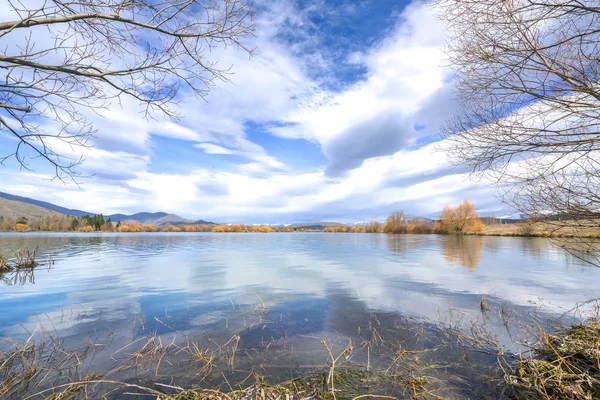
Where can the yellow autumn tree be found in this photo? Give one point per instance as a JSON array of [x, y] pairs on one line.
[[285, 229], [222, 228], [460, 219], [395, 223], [373, 227]]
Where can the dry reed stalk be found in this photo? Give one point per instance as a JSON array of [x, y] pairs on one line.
[[565, 365]]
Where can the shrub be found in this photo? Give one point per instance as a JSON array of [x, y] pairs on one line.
[[373, 227], [20, 227]]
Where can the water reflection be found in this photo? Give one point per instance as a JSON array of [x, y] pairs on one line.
[[18, 278], [535, 247], [464, 251], [283, 292], [396, 244]]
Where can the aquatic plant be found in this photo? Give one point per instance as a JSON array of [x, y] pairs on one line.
[[20, 259], [483, 306], [18, 269], [407, 358], [3, 264]]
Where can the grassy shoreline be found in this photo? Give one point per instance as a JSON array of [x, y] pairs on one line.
[[564, 364], [542, 230]]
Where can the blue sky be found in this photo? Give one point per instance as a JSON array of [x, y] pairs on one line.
[[335, 118]]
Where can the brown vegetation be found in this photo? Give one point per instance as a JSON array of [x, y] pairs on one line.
[[15, 209], [373, 227], [460, 219], [395, 223], [338, 228], [565, 365], [540, 229], [420, 226], [19, 260], [433, 361]]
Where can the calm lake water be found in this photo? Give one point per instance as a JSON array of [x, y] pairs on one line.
[[283, 293]]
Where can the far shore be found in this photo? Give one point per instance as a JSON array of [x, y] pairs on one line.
[[538, 229]]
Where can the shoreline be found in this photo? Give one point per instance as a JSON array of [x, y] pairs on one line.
[[496, 230]]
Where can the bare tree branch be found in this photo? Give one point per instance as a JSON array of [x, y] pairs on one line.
[[66, 56], [528, 79]]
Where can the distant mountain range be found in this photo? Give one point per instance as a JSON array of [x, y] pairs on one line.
[[158, 219], [18, 206], [46, 205], [315, 225]]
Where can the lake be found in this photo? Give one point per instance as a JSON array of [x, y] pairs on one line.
[[270, 305]]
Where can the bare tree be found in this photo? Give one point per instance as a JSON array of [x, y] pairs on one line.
[[528, 88], [61, 57]]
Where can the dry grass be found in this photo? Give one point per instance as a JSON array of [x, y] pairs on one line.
[[16, 209], [483, 306], [20, 259], [18, 269], [540, 229], [4, 266], [563, 366], [414, 360], [42, 368]]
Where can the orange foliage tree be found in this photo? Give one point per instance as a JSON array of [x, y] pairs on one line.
[[336, 229], [460, 219]]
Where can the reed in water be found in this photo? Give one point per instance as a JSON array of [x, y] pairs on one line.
[[414, 360], [20, 259]]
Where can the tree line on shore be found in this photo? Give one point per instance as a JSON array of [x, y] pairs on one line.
[[453, 220]]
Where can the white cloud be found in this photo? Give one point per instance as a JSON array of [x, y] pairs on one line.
[[370, 172], [210, 148], [404, 72]]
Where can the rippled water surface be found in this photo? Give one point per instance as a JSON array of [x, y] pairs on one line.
[[290, 290]]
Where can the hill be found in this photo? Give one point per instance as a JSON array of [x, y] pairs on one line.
[[158, 219], [18, 206], [16, 209], [44, 204], [315, 225]]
